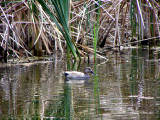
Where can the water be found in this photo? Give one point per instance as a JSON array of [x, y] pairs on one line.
[[127, 86]]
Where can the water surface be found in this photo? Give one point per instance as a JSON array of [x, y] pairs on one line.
[[127, 86]]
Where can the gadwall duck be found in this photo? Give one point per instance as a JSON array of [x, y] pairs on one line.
[[78, 75]]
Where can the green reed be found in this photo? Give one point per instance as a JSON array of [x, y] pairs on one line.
[[60, 17]]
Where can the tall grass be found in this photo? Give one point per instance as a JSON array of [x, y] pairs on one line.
[[44, 26], [144, 21]]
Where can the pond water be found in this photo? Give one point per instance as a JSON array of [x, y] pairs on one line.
[[125, 87]]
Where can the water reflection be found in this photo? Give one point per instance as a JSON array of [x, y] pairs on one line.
[[126, 87]]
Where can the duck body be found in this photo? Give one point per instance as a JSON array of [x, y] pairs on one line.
[[78, 75]]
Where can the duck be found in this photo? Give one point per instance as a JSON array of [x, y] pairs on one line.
[[78, 75]]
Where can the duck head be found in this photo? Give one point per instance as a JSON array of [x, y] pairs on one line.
[[88, 70]]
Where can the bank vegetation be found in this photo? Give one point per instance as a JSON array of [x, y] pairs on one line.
[[76, 27]]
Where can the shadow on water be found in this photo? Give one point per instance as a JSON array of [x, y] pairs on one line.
[[125, 87]]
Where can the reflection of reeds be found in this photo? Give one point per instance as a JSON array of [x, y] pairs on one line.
[[43, 26]]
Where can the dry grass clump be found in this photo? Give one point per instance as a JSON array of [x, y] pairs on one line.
[[28, 29]]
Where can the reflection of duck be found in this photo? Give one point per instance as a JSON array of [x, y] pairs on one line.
[[78, 75]]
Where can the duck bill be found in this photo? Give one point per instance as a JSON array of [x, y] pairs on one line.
[[92, 72]]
